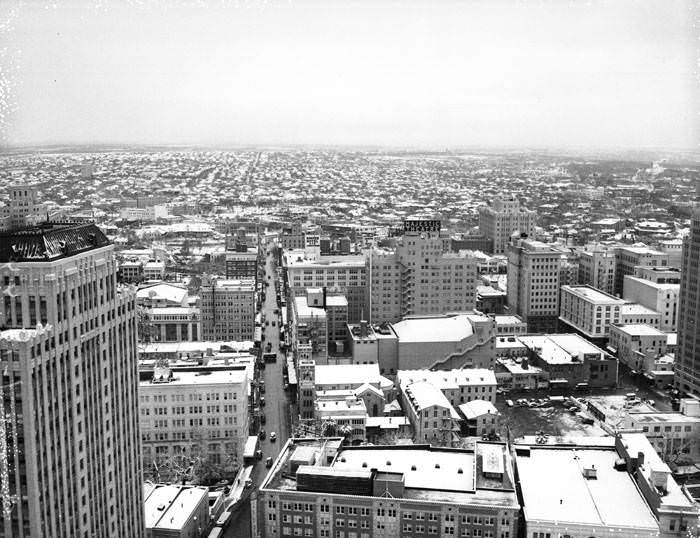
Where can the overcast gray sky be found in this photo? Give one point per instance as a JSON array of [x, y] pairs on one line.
[[437, 74]]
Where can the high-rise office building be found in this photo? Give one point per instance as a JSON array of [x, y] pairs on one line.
[[70, 458], [534, 270], [228, 309], [688, 354], [420, 278], [597, 268], [505, 216]]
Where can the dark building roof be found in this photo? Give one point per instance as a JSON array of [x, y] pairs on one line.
[[50, 241]]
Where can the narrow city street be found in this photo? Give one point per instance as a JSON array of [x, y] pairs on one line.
[[276, 408]]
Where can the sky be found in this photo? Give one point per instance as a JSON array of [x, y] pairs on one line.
[[447, 74]]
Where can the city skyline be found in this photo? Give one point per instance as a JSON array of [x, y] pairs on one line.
[[500, 74]]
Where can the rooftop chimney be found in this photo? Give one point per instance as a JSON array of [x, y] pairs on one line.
[[363, 329], [640, 459]]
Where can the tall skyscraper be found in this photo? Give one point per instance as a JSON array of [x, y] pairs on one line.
[[69, 454], [501, 219], [688, 354], [420, 278]]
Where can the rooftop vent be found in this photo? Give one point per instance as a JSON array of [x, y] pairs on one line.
[[413, 467], [388, 462], [437, 465], [161, 507], [342, 460], [460, 471], [364, 464], [591, 473]]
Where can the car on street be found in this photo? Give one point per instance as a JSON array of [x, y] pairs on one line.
[[273, 322], [263, 419], [273, 437], [258, 454], [262, 434], [268, 462], [262, 401]]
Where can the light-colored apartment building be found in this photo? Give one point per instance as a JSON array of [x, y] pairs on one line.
[[589, 310], [70, 409], [227, 309], [190, 414], [504, 217]]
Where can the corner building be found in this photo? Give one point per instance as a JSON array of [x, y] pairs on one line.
[[69, 387]]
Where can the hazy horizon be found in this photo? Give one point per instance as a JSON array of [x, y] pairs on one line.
[[505, 74]]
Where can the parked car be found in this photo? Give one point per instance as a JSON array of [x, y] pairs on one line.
[[273, 436], [262, 434], [263, 419], [262, 401], [258, 454], [268, 462]]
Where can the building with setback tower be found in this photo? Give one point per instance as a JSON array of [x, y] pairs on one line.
[[419, 277], [71, 459], [501, 219]]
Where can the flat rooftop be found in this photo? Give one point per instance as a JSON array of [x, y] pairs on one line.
[[433, 329], [169, 506], [431, 474], [639, 329], [448, 379], [194, 347], [593, 295], [508, 320], [209, 377], [635, 309], [434, 468], [304, 310], [555, 489], [347, 374]]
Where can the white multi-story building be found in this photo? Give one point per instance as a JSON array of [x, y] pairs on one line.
[[534, 270], [431, 414], [638, 345], [201, 413], [589, 311], [70, 411], [154, 270], [458, 386], [228, 309], [504, 217], [658, 289]]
